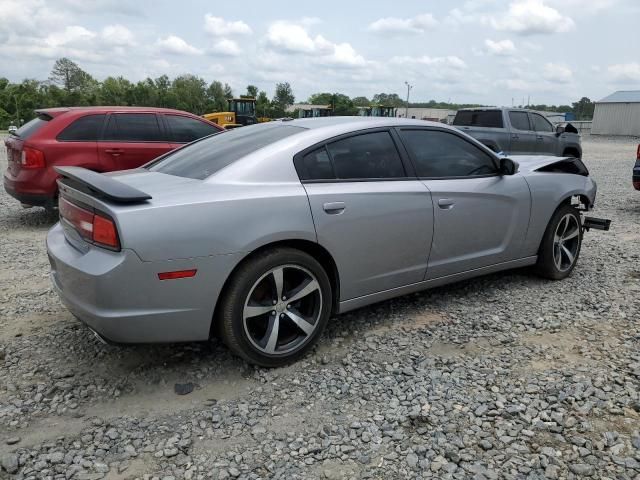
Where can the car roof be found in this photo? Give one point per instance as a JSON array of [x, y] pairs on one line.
[[59, 110], [349, 124]]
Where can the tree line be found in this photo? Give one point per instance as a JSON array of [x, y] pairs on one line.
[[69, 85]]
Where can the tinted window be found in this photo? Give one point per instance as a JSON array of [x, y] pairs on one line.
[[541, 124], [479, 118], [317, 166], [133, 127], [84, 129], [187, 129], [203, 158], [370, 155], [442, 154], [519, 120], [31, 127]]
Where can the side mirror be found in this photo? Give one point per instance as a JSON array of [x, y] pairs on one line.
[[559, 130], [508, 166]]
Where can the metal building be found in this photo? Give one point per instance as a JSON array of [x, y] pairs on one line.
[[618, 114]]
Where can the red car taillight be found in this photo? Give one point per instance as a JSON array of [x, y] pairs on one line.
[[32, 158], [638, 153], [92, 226]]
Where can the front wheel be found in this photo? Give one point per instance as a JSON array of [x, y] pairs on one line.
[[561, 244], [276, 306]]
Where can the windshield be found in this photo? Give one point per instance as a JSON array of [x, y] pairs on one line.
[[242, 108], [205, 157], [31, 127]]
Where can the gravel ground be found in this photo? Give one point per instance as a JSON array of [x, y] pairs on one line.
[[506, 376]]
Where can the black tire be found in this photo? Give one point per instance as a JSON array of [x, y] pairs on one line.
[[245, 281], [550, 249]]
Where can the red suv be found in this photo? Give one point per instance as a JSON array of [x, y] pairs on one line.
[[98, 138]]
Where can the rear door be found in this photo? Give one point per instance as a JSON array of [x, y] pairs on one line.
[[183, 129], [130, 140], [374, 218], [480, 216], [523, 137], [546, 139]]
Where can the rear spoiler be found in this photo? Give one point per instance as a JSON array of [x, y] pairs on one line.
[[99, 185]]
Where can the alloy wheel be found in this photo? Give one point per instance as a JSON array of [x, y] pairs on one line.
[[566, 242], [282, 310]]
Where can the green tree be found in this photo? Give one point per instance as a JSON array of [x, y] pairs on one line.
[[388, 99], [252, 91], [216, 97], [191, 93], [263, 105], [361, 101], [341, 104], [69, 74], [228, 92], [116, 91], [583, 109], [282, 98]]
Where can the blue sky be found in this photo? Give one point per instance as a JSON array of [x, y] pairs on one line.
[[480, 51]]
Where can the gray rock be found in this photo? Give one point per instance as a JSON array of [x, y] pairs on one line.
[[582, 469], [9, 462], [412, 460]]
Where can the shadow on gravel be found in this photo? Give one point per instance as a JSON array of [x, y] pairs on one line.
[[30, 217]]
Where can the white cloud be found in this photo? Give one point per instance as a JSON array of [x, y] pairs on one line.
[[557, 73], [220, 27], [529, 17], [71, 35], [226, 47], [290, 38], [345, 56], [176, 45], [117, 35], [584, 6], [624, 72], [517, 84], [418, 24], [500, 47], [449, 61]]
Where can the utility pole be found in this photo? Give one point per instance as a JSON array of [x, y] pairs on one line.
[[409, 87]]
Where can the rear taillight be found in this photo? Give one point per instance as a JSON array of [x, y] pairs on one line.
[[638, 153], [94, 227], [32, 158]]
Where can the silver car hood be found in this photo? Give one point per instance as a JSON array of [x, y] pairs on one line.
[[531, 163]]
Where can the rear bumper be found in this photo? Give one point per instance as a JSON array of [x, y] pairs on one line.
[[121, 298], [636, 177], [25, 192]]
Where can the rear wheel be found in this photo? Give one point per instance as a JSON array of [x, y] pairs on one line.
[[561, 244], [275, 307]]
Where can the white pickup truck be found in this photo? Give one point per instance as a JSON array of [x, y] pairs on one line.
[[518, 131]]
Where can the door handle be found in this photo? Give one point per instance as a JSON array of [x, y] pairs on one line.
[[114, 151], [334, 208], [446, 203], [515, 136], [540, 137]]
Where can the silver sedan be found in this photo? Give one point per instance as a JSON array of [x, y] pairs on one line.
[[260, 234]]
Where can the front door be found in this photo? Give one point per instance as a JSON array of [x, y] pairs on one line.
[[131, 140], [523, 137], [480, 216], [546, 137], [375, 221]]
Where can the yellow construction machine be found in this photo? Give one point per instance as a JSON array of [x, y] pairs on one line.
[[242, 111]]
